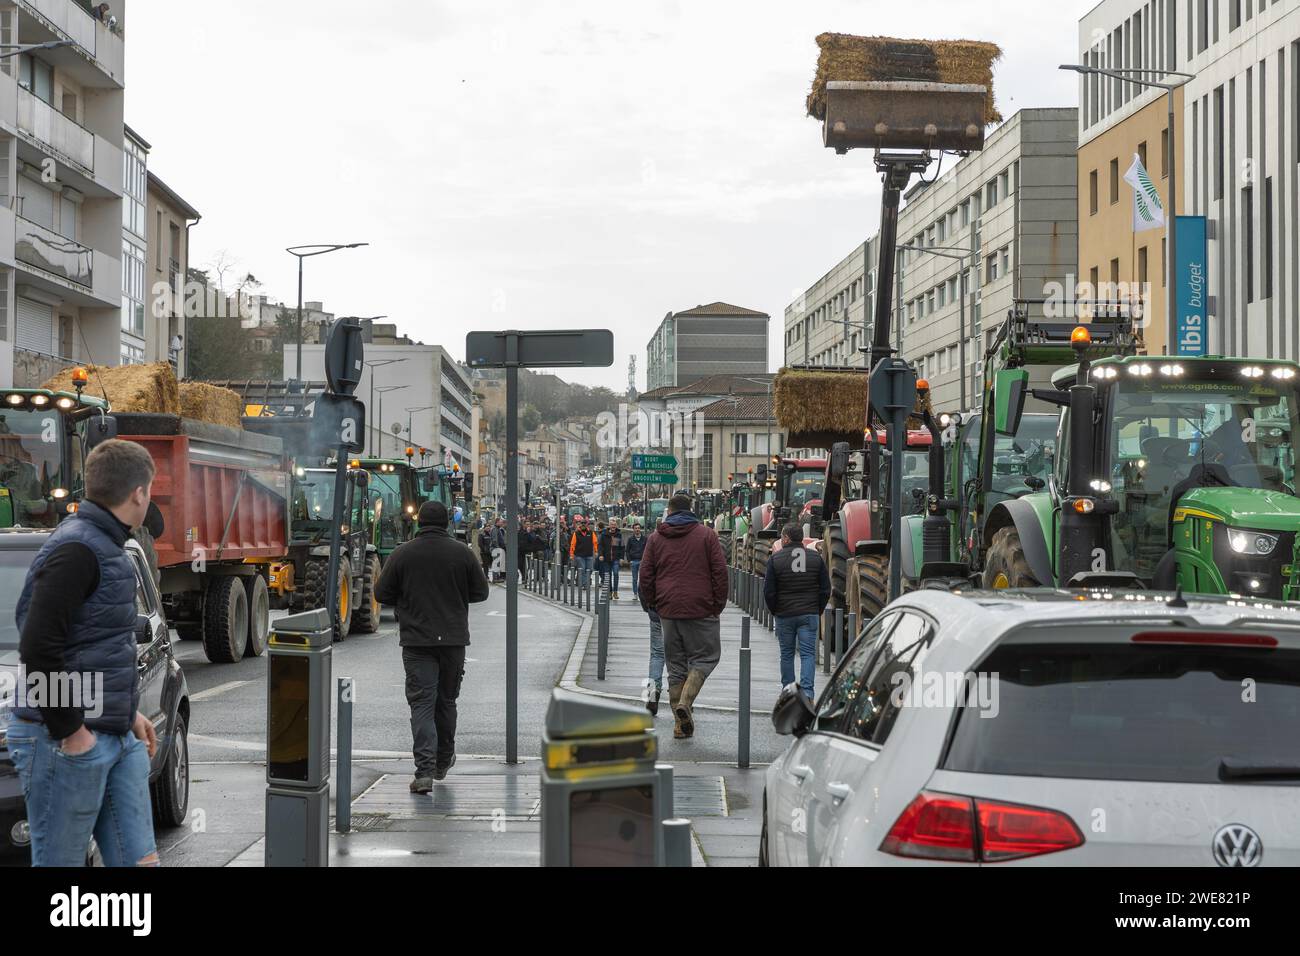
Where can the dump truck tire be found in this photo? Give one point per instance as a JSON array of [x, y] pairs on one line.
[[1007, 566], [225, 620], [366, 620], [259, 615]]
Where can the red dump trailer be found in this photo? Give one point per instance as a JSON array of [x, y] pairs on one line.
[[224, 497]]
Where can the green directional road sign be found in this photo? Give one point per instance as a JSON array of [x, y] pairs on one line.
[[654, 463], [654, 477]]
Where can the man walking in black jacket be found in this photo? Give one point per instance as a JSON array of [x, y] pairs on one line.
[[796, 588], [432, 580]]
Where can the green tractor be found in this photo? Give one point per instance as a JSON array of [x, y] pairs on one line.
[[301, 582], [1168, 472], [397, 490]]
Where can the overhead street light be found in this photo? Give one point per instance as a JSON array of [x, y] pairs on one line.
[[1171, 232], [14, 49], [304, 252], [380, 416], [963, 255]]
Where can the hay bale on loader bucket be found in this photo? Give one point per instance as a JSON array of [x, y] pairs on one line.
[[885, 93], [129, 388], [819, 407]]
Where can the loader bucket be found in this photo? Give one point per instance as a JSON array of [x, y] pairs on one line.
[[904, 115]]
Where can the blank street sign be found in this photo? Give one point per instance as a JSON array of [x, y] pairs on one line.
[[557, 349]]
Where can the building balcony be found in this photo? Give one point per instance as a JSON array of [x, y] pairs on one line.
[[65, 138], [99, 58], [46, 250]]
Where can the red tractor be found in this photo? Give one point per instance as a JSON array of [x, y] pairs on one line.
[[796, 493]]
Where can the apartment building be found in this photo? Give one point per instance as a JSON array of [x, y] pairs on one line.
[[62, 170], [706, 340], [997, 226], [170, 218], [1118, 121], [414, 394], [831, 323]]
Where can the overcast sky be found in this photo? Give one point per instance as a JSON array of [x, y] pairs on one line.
[[534, 164]]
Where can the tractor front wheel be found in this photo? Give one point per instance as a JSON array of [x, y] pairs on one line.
[[1007, 566]]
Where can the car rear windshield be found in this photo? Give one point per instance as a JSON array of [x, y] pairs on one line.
[[1132, 712]]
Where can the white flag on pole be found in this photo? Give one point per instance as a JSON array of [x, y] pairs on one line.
[[1148, 213]]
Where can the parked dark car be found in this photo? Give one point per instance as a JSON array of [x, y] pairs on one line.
[[164, 695]]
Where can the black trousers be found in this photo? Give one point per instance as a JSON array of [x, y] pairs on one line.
[[433, 677]]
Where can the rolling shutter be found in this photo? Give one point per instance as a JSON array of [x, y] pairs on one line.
[[35, 326]]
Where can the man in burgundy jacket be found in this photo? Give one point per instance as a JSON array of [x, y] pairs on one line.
[[684, 579]]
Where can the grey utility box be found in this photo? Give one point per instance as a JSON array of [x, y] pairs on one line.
[[298, 702], [600, 794]]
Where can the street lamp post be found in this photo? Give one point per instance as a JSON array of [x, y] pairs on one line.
[[410, 415], [1171, 217], [962, 256], [377, 363], [301, 253], [14, 49], [380, 415]]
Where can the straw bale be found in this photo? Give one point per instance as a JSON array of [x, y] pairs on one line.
[[884, 59], [129, 388], [211, 403]]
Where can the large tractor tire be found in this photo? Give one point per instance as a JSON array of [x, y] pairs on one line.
[[725, 540], [314, 592], [366, 620], [868, 586], [762, 551], [259, 615], [835, 551], [1007, 566], [225, 620]]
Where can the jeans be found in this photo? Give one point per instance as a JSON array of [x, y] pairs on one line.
[[102, 793], [803, 629], [636, 578], [657, 654], [433, 678], [613, 577], [584, 565]]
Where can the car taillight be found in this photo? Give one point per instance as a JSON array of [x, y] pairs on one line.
[[1009, 831], [940, 826], [934, 827]]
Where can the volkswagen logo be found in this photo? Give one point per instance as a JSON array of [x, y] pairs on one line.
[[1237, 845]]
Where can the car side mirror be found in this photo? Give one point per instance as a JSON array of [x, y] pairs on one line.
[[143, 629], [793, 713]]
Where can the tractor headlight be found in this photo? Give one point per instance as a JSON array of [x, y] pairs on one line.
[[1251, 542]]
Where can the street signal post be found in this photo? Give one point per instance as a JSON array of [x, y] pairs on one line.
[[513, 350], [602, 802], [344, 363], [298, 695]]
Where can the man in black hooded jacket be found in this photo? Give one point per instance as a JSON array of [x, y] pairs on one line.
[[432, 580]]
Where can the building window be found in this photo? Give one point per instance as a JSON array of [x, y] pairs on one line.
[[991, 268], [965, 213], [992, 190], [740, 443], [1142, 153], [1164, 152], [1248, 241], [1266, 282], [1142, 265], [1114, 181], [1006, 260], [1092, 193]]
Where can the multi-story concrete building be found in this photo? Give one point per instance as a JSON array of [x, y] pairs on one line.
[[1003, 218], [1237, 145], [1117, 121], [62, 169], [170, 218], [414, 394], [706, 340], [829, 324]]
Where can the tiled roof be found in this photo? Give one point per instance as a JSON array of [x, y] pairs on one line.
[[722, 308], [728, 385], [745, 408]]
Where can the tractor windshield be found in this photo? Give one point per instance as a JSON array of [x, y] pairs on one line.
[[1211, 425], [1027, 454], [805, 485], [313, 503], [32, 479], [386, 502]]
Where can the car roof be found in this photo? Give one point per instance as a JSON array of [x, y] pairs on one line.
[[23, 539], [978, 618]]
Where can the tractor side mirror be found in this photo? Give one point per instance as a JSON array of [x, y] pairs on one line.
[[99, 429], [1010, 386], [839, 462]]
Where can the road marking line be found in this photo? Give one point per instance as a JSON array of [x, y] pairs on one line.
[[218, 690]]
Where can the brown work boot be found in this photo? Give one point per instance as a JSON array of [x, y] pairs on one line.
[[690, 690], [674, 699]]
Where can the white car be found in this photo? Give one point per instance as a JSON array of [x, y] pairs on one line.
[[1048, 727]]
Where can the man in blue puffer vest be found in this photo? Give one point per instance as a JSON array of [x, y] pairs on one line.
[[79, 742]]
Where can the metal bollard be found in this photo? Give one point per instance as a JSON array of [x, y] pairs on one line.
[[742, 742], [851, 631], [343, 788], [827, 623], [677, 842], [602, 633], [839, 634], [665, 771]]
